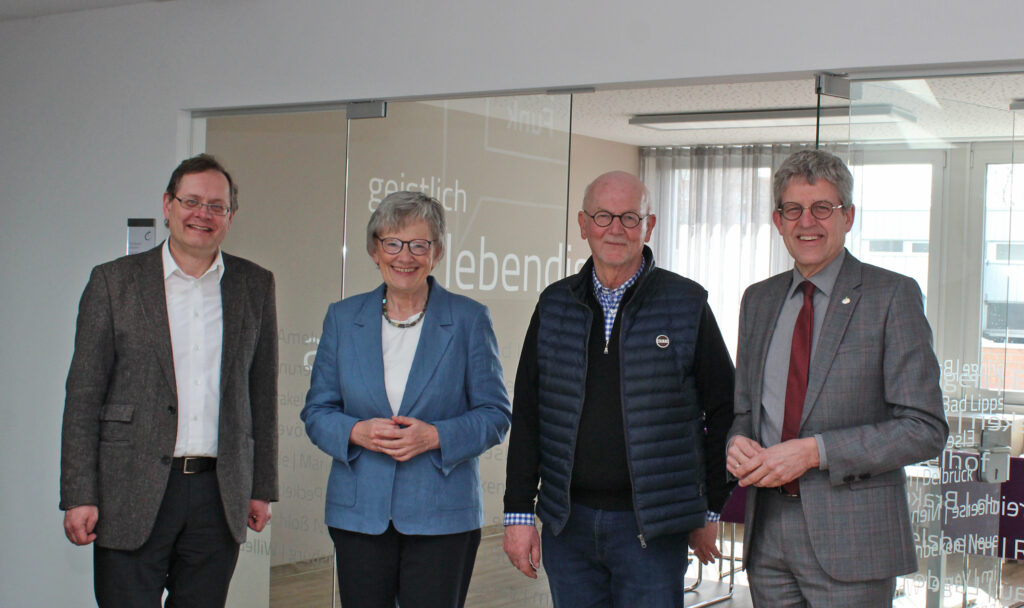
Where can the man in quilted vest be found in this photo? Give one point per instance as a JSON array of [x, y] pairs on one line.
[[623, 399]]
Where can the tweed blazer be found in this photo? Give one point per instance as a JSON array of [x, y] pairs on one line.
[[120, 412], [455, 383], [873, 395]]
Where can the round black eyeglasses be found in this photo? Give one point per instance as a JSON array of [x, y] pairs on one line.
[[628, 219]]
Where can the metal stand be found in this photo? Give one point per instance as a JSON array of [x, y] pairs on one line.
[[735, 565]]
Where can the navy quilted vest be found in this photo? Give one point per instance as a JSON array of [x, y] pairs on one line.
[[663, 420]]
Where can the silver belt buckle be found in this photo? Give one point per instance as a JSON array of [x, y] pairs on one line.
[[185, 468]]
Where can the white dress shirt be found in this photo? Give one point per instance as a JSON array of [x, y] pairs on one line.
[[195, 316]]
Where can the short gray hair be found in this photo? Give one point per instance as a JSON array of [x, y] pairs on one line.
[[813, 165], [400, 209]]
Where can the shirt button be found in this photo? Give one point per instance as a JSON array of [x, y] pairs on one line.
[[196, 347], [195, 382]]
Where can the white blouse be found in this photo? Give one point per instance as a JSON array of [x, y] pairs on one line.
[[399, 350]]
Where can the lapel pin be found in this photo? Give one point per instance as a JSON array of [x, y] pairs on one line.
[[661, 341], [846, 300]]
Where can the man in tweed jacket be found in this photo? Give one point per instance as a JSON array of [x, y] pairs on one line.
[[169, 444], [871, 404]]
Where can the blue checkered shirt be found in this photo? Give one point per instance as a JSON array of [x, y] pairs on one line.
[[611, 298], [518, 519]]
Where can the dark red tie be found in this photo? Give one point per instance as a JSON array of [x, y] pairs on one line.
[[799, 364]]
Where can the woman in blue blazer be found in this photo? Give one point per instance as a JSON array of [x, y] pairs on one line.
[[406, 393]]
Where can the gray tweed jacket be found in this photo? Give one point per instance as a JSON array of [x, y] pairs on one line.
[[120, 412]]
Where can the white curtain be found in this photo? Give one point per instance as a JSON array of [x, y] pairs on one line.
[[714, 208]]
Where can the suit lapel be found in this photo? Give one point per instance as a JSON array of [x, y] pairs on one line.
[[233, 300], [367, 339], [842, 302], [765, 317], [150, 282], [434, 340]]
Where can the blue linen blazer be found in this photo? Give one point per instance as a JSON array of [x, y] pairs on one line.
[[455, 383]]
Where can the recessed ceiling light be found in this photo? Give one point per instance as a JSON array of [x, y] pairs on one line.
[[773, 118]]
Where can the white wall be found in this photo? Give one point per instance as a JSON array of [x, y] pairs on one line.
[[92, 121]]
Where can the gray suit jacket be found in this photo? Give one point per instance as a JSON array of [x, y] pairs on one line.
[[873, 394], [120, 413]]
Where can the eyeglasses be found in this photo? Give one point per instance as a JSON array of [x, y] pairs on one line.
[[821, 210], [394, 246], [628, 219], [192, 205]]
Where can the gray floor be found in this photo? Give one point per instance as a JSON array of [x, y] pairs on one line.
[[496, 584]]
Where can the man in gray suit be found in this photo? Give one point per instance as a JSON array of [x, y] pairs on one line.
[[837, 388], [169, 444]]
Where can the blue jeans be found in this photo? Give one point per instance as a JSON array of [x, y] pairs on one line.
[[597, 561]]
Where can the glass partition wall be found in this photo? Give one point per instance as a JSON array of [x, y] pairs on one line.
[[499, 166], [935, 195], [308, 184], [938, 190], [290, 168]]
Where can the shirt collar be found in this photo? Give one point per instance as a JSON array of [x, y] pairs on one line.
[[601, 290], [171, 266], [824, 280]]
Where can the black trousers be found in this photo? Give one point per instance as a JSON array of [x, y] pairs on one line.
[[190, 552], [418, 571]]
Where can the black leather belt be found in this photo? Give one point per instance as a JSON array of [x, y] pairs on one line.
[[782, 492], [193, 464]]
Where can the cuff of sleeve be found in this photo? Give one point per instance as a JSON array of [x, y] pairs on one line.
[[822, 456], [519, 519], [713, 517]]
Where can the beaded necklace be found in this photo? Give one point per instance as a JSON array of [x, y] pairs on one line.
[[402, 324]]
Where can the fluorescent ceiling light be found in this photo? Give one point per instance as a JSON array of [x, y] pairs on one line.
[[766, 119]]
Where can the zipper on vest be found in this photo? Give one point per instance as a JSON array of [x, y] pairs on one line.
[[643, 543], [606, 341]]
